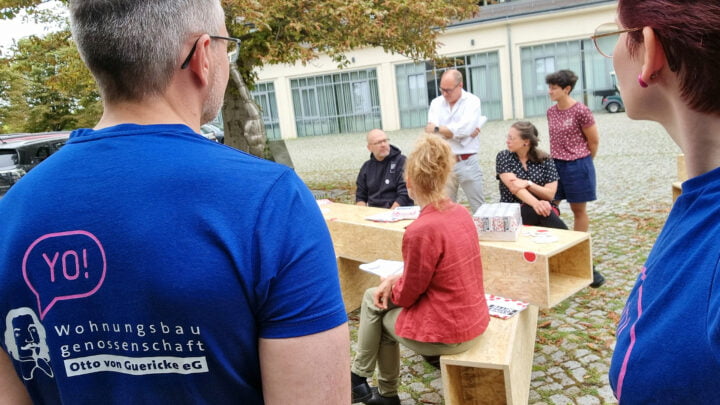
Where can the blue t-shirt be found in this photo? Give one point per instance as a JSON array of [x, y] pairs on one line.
[[668, 338], [143, 263]]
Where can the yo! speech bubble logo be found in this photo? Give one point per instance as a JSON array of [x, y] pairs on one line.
[[64, 266]]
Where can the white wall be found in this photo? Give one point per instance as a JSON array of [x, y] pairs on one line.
[[505, 36]]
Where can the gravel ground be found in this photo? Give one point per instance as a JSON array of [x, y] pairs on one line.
[[635, 167]]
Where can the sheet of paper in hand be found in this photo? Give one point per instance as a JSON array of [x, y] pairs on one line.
[[383, 268]]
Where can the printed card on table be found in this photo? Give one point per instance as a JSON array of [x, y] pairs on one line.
[[504, 308]]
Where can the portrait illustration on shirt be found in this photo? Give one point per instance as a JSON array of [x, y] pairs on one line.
[[25, 342]]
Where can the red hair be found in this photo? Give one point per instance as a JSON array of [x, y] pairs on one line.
[[689, 31], [428, 168]]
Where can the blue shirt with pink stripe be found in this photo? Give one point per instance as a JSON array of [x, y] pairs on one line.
[[668, 338]]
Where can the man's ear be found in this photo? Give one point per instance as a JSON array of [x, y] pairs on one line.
[[655, 59], [200, 61]]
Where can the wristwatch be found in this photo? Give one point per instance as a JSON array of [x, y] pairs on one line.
[[530, 183], [436, 130]]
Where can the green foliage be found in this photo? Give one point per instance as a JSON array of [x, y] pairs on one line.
[[279, 31], [11, 8], [46, 87]]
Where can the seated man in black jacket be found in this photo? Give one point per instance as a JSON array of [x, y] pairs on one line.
[[380, 182]]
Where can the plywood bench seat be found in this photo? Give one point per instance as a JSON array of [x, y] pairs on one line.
[[498, 368]]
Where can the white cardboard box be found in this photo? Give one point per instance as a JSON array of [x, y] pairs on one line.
[[498, 221]]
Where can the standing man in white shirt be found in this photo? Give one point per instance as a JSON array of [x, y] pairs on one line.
[[456, 116]]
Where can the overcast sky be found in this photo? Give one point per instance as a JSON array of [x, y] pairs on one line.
[[17, 28]]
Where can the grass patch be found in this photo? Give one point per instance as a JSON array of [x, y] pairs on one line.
[[340, 192]]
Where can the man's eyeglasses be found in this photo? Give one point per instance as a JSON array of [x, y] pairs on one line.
[[449, 90], [606, 37], [380, 142], [233, 49]]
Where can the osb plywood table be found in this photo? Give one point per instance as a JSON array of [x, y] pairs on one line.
[[543, 274], [358, 240]]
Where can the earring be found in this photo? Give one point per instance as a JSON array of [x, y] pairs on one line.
[[642, 82]]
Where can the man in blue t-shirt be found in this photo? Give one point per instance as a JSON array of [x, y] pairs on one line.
[[132, 273]]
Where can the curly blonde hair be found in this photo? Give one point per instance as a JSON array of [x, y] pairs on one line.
[[427, 169]]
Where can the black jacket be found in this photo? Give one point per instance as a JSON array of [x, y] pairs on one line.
[[381, 183]]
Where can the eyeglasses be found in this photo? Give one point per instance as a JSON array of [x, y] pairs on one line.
[[449, 90], [233, 49], [606, 37], [380, 142]]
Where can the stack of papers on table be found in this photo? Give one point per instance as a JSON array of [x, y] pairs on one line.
[[498, 221], [383, 268]]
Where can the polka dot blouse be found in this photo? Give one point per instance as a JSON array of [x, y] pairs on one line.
[[567, 141], [539, 173]]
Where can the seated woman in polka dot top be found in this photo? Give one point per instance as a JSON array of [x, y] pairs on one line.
[[528, 176]]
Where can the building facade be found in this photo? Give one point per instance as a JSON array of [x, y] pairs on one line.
[[504, 55]]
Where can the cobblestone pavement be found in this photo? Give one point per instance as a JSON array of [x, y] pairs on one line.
[[636, 165]]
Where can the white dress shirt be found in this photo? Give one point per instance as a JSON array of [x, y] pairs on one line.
[[461, 120]]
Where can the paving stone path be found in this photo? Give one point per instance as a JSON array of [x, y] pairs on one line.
[[636, 165]]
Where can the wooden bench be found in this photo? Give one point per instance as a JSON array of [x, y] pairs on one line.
[[498, 368]]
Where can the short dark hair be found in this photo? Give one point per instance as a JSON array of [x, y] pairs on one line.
[[689, 31], [562, 78]]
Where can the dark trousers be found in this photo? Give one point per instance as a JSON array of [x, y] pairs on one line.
[[530, 217]]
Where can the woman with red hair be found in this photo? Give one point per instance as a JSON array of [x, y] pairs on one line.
[[666, 54], [437, 306]]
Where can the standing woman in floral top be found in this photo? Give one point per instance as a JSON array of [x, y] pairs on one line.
[[574, 142], [527, 176]]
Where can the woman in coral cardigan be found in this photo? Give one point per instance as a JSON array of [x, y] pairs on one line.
[[437, 306]]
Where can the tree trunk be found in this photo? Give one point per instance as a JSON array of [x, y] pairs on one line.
[[244, 127]]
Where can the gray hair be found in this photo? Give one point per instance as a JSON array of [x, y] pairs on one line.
[[133, 47], [455, 74]]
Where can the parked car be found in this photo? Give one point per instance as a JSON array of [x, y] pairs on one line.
[[21, 152], [212, 132], [611, 100], [613, 103]]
